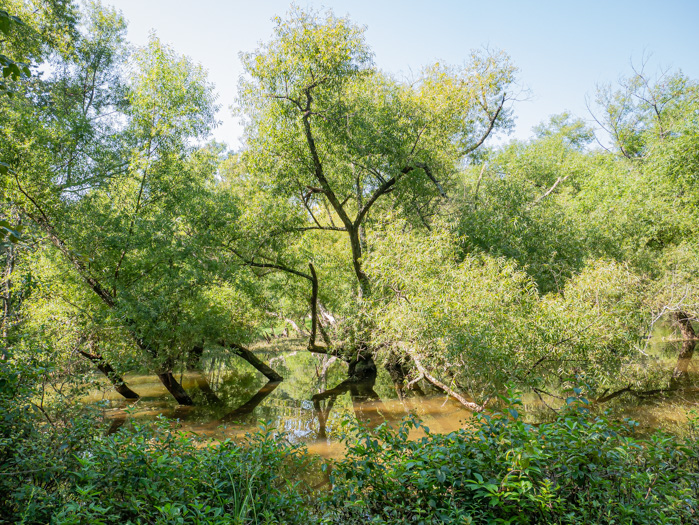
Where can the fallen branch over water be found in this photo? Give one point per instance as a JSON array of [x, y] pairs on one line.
[[436, 382]]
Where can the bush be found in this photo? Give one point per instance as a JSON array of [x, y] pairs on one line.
[[152, 475], [582, 468]]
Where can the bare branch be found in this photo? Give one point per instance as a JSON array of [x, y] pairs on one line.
[[549, 191], [491, 125], [251, 262], [478, 185], [428, 171], [378, 192], [424, 372]]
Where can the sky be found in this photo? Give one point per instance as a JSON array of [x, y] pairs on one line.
[[563, 48]]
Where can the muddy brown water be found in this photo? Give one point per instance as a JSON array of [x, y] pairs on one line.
[[312, 402], [309, 406]]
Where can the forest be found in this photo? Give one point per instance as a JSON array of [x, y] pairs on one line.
[[384, 223]]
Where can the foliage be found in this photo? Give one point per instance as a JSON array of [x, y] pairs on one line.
[[148, 474], [535, 262], [343, 142], [516, 203], [481, 321], [10, 68], [144, 477], [580, 468]]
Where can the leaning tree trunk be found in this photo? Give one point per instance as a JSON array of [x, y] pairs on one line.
[[104, 294], [251, 358], [114, 378], [175, 388], [166, 378], [689, 341]]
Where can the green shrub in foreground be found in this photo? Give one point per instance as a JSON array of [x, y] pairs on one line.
[[579, 469], [152, 476]]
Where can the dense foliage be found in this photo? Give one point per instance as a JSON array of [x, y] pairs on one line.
[[375, 217], [68, 473], [579, 468]]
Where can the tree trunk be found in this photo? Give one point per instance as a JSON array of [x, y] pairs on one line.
[[177, 391], [253, 360], [194, 357], [166, 378], [399, 370], [114, 378], [689, 340], [356, 245], [362, 368]]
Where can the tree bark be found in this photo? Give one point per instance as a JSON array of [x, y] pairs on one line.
[[114, 378], [253, 360], [176, 390], [436, 382], [362, 368], [166, 378]]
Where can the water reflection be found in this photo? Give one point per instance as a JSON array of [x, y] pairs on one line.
[[366, 403], [233, 399], [245, 411], [314, 398]]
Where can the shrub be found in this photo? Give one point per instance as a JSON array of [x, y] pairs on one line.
[[581, 468], [149, 474]]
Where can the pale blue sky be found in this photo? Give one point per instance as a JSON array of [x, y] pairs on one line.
[[563, 48]]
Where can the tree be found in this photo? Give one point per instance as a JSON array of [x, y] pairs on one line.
[[649, 184], [330, 135], [118, 185], [516, 202], [474, 324]]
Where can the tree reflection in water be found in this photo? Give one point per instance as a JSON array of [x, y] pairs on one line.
[[244, 411], [367, 405]]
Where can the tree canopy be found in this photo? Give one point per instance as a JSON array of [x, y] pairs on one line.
[[373, 212]]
